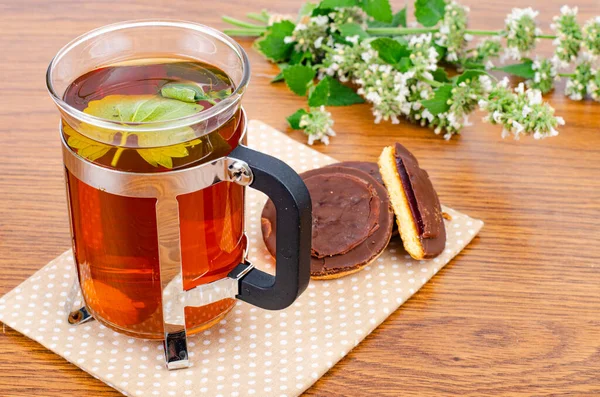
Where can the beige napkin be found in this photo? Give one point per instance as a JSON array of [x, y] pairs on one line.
[[252, 351]]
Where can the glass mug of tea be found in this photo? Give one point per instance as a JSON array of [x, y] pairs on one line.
[[152, 134]]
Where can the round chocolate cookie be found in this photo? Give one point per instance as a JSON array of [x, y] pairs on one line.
[[352, 220], [370, 168]]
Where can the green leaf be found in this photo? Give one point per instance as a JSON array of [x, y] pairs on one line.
[[429, 12], [221, 94], [441, 51], [352, 29], [140, 108], [341, 95], [524, 70], [440, 75], [472, 65], [306, 9], [86, 147], [390, 50], [380, 10], [404, 65], [272, 44], [439, 103], [178, 91], [279, 76], [299, 57], [469, 75], [297, 78], [338, 3], [330, 92], [191, 92], [147, 108], [399, 19], [294, 119], [163, 155], [319, 94]]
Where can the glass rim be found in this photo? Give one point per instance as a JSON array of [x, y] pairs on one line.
[[148, 126]]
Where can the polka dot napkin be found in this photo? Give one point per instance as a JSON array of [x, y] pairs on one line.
[[251, 351]]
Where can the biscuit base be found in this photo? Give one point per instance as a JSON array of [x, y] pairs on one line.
[[404, 218], [340, 274]]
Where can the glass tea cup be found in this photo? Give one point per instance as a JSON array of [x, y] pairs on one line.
[[156, 202]]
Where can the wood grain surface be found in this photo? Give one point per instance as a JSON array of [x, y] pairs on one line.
[[516, 313]]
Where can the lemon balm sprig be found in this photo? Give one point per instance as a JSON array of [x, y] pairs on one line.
[[401, 71]]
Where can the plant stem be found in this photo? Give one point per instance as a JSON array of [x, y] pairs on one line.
[[327, 48], [407, 31], [399, 31], [566, 74], [243, 32], [120, 149], [476, 32], [264, 18], [241, 24], [432, 83]]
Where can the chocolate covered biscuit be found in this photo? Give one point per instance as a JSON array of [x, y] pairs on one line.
[[352, 220], [370, 168], [415, 203]]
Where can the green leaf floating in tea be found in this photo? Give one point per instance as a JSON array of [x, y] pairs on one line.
[[189, 92], [86, 147], [139, 109]]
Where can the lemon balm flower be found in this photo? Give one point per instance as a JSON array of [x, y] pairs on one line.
[[317, 125], [593, 86], [423, 55], [520, 112], [309, 33], [576, 87], [451, 33], [485, 51], [591, 37], [521, 32], [568, 36], [544, 77], [342, 16]]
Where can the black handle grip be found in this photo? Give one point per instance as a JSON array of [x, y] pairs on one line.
[[293, 237]]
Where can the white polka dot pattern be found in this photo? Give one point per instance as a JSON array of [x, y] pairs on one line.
[[251, 351]]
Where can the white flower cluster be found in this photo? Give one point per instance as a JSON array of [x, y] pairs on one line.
[[317, 124], [424, 56], [382, 85], [521, 112], [347, 15], [521, 32], [451, 33], [545, 75], [485, 51], [591, 37], [394, 94], [593, 86], [577, 85], [309, 34], [386, 88], [568, 36], [344, 60], [465, 97]]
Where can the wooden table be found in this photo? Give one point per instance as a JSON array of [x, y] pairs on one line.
[[517, 312]]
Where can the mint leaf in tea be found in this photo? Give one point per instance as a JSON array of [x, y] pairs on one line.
[[156, 90]]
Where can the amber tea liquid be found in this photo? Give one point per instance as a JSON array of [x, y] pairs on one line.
[[115, 238]]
